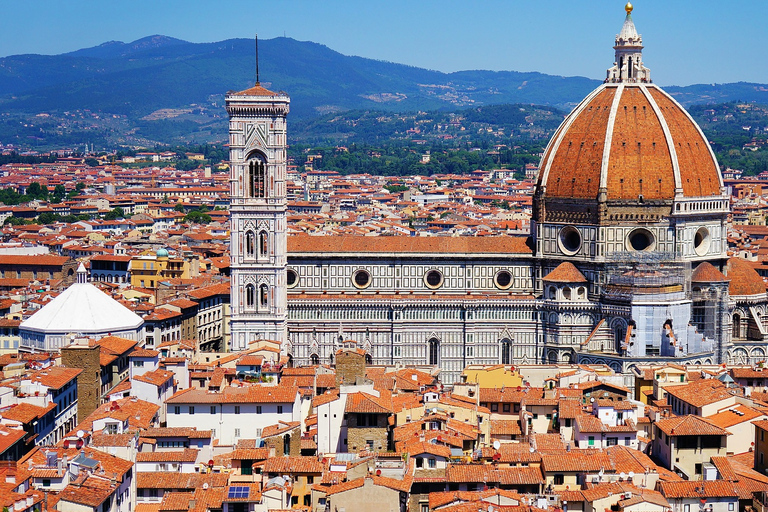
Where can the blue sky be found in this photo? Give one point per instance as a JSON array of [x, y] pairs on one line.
[[686, 42]]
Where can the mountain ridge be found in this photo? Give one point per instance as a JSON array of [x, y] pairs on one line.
[[163, 80]]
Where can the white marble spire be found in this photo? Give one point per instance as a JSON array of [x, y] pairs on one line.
[[628, 67]]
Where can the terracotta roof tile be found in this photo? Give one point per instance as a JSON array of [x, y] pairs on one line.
[[482, 473], [361, 402], [744, 278], [700, 393], [185, 455], [707, 273], [406, 245], [292, 465], [179, 481], [690, 425], [639, 157], [576, 461], [566, 272], [25, 412], [230, 394], [697, 489]]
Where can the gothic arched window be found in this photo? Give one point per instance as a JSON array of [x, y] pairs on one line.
[[263, 244], [249, 295], [506, 349], [257, 178], [314, 360], [264, 295], [249, 243], [736, 326], [434, 351]]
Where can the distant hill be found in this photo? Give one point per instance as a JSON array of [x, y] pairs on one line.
[[159, 85], [159, 72]]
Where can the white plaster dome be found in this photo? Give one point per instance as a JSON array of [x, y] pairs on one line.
[[81, 309]]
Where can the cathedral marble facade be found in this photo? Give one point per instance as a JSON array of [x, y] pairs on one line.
[[626, 263]]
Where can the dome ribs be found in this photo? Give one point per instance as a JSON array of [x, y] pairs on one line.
[[576, 163], [640, 163], [698, 169]]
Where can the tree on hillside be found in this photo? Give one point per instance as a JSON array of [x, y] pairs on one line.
[[35, 191], [114, 214], [197, 217], [14, 221], [47, 218]]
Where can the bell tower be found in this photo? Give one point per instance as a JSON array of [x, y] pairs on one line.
[[258, 244]]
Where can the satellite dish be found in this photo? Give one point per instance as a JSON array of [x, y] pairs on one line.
[[496, 445], [592, 399], [622, 475], [80, 434], [205, 485], [631, 474]]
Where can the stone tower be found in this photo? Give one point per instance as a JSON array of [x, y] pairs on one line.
[[257, 155]]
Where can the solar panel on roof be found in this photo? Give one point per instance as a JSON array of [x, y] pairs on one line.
[[238, 492]]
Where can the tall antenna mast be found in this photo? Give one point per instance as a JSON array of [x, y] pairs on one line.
[[257, 59]]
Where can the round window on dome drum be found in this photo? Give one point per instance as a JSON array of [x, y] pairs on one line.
[[503, 279], [433, 279], [569, 240], [291, 278], [361, 279], [641, 240], [702, 241]]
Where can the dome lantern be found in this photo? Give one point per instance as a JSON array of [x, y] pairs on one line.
[[628, 66]]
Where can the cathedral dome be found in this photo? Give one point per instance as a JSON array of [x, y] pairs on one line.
[[629, 142], [744, 278]]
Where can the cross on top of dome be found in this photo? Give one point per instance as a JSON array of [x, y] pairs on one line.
[[628, 66]]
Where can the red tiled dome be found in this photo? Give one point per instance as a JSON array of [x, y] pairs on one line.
[[744, 278], [566, 272], [707, 273], [635, 141]]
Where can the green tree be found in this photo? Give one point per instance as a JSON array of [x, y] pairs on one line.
[[47, 218], [14, 221], [91, 162], [197, 217], [114, 214], [179, 208], [187, 164], [35, 191]]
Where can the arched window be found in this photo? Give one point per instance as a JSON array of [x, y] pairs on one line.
[[249, 295], [506, 349], [263, 244], [314, 360], [619, 332], [257, 171], [736, 326], [434, 351], [264, 295], [368, 359], [249, 243]]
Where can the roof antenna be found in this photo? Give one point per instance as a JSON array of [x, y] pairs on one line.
[[257, 59]]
